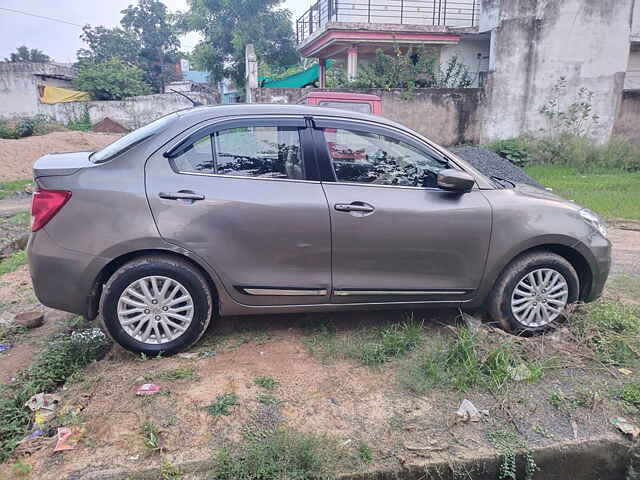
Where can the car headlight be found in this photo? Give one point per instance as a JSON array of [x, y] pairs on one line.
[[594, 220]]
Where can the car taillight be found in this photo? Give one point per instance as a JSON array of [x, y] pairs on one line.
[[45, 204]]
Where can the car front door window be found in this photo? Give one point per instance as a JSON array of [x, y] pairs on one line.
[[364, 157]]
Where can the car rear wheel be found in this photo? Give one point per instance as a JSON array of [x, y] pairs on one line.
[[156, 305], [534, 293]]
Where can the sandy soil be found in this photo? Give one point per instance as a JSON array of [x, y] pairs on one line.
[[18, 156]]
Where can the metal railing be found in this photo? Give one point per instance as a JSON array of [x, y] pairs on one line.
[[453, 13]]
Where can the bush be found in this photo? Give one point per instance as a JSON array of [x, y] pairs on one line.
[[25, 127], [513, 149], [111, 80], [7, 132]]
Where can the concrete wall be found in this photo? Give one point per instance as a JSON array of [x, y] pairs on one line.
[[635, 22], [629, 117], [446, 116], [132, 112], [535, 42], [632, 78], [19, 86]]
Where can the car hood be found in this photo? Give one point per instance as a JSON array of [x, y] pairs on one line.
[[530, 191]]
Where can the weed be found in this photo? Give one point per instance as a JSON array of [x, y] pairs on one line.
[[541, 430], [365, 454], [13, 261], [187, 373], [63, 357], [21, 218], [221, 405], [283, 454], [611, 329], [169, 472], [20, 468], [267, 383], [268, 400], [466, 363], [581, 397], [370, 346], [629, 395], [83, 123], [508, 444], [513, 149], [11, 333], [151, 436], [9, 189]]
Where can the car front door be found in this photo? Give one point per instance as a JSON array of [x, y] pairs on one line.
[[244, 196], [396, 236]]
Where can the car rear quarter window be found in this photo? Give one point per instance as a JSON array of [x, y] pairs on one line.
[[366, 157], [198, 158], [259, 151]]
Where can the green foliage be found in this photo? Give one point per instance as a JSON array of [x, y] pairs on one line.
[[187, 373], [576, 119], [63, 357], [610, 193], [9, 189], [227, 26], [414, 68], [147, 39], [82, 124], [6, 131], [370, 346], [151, 436], [13, 262], [267, 383], [220, 406], [25, 127], [111, 80], [9, 333], [509, 444], [611, 329], [513, 149], [268, 400], [23, 54], [629, 395], [365, 454], [465, 363], [282, 455]]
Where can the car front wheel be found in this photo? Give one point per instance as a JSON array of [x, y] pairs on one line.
[[534, 292], [156, 305]]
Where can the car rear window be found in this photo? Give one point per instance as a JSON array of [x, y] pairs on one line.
[[131, 139], [359, 107]]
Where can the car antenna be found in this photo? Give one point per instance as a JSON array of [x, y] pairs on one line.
[[194, 102]]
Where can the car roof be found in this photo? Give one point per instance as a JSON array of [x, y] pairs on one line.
[[233, 109]]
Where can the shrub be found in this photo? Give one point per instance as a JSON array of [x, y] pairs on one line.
[[513, 149], [25, 127], [111, 80], [6, 131]]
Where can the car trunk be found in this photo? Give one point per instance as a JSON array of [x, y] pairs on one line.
[[57, 164]]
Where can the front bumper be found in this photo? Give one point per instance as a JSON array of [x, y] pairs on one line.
[[62, 278], [596, 249]]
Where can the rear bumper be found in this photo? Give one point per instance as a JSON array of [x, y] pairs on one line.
[[62, 278]]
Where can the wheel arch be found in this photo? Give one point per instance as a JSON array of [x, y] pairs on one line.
[[110, 268]]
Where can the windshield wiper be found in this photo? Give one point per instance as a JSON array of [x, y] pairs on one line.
[[503, 182]]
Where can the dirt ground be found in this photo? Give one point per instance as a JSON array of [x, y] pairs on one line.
[[18, 156]]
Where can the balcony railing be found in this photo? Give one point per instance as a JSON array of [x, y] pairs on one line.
[[453, 13]]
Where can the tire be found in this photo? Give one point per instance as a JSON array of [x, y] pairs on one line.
[[188, 282], [523, 269]]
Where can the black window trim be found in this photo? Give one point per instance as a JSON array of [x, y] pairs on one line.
[[325, 164], [298, 121]]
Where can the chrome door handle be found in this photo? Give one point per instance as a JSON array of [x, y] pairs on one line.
[[354, 207], [181, 196]]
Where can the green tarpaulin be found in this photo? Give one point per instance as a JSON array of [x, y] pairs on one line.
[[297, 80]]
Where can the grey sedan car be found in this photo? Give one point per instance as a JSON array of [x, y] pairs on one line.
[[247, 209]]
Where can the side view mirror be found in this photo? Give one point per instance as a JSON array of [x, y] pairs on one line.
[[455, 180]]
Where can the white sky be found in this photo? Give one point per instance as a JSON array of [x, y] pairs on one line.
[[59, 40]]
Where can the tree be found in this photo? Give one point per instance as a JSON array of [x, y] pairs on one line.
[[23, 54], [229, 25], [147, 38], [111, 80]]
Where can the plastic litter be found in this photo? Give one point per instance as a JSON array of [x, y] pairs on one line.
[[626, 427], [468, 412], [65, 439], [47, 401], [520, 372], [188, 356], [148, 389], [625, 371], [35, 434], [5, 346]]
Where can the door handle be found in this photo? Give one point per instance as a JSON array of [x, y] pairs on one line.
[[359, 207], [181, 196]]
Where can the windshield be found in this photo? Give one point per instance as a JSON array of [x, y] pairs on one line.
[[132, 139]]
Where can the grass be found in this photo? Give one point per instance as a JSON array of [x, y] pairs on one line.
[[220, 406], [13, 262], [266, 399], [629, 395], [21, 218], [63, 357], [10, 333], [612, 331], [284, 454], [612, 194], [464, 363], [151, 436], [625, 285], [266, 383], [370, 346], [9, 189], [187, 373]]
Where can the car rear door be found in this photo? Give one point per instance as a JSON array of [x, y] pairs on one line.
[[244, 195], [396, 236]]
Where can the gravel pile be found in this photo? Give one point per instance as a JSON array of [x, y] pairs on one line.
[[490, 163]]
